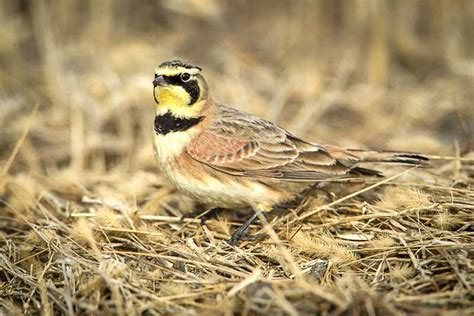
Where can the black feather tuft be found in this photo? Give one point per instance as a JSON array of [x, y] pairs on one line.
[[179, 63]]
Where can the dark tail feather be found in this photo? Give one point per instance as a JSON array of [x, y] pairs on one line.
[[405, 158], [366, 172]]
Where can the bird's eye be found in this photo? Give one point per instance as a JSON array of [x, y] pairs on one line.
[[185, 77], [156, 76]]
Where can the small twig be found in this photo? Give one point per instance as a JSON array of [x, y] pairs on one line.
[[349, 196], [455, 158], [20, 141], [415, 261], [245, 282]]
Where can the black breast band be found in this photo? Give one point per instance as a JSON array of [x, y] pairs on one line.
[[168, 123]]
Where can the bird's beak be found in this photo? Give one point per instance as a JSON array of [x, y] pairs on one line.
[[159, 81]]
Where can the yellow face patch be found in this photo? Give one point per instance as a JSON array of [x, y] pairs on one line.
[[171, 96], [175, 99]]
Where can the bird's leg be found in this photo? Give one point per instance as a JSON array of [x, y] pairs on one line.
[[242, 230], [204, 216], [239, 234]]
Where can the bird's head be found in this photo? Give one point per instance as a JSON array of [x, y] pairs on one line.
[[179, 88]]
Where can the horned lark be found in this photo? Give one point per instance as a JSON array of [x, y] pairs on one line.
[[227, 158]]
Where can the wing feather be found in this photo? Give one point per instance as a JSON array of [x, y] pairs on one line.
[[241, 144]]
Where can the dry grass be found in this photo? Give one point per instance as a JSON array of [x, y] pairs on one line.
[[88, 225]]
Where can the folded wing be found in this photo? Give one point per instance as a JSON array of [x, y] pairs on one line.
[[244, 145]]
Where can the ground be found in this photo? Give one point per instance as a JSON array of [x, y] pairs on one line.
[[88, 224]]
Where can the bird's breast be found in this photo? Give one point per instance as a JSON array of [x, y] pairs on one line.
[[169, 146]]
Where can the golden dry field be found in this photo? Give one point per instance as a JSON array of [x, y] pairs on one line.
[[88, 224]]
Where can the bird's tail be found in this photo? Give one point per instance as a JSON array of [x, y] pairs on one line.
[[396, 157], [355, 156]]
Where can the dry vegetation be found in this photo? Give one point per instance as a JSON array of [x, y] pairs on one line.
[[87, 223]]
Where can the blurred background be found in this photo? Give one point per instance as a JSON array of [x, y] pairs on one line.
[[367, 73]]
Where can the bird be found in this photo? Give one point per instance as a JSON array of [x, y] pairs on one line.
[[224, 157]]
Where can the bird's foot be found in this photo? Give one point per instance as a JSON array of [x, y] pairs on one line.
[[240, 233]]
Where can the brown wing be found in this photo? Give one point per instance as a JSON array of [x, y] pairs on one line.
[[240, 144]]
